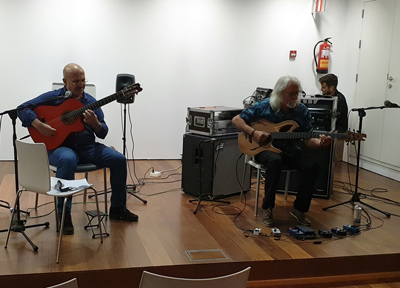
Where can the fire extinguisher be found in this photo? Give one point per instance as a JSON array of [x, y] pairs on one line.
[[323, 56]]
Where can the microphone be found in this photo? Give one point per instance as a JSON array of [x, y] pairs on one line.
[[389, 104], [66, 95]]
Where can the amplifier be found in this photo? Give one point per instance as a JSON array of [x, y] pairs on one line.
[[323, 112], [211, 121]]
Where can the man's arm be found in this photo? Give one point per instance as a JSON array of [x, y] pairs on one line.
[[253, 134]]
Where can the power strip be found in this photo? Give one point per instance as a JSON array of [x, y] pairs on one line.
[[155, 174]]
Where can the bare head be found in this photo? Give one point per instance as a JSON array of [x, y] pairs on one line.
[[74, 79]]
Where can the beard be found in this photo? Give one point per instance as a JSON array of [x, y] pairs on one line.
[[291, 104]]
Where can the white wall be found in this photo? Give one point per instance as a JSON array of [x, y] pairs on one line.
[[184, 53]]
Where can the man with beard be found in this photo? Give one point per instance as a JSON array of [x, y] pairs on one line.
[[284, 104]]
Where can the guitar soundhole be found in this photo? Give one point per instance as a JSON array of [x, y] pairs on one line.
[[68, 118]]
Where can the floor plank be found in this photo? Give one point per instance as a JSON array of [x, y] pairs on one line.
[[168, 228]]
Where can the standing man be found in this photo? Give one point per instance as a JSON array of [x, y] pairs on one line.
[[81, 147], [329, 84], [284, 104]]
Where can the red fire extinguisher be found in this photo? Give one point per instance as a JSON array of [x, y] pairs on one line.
[[323, 56]]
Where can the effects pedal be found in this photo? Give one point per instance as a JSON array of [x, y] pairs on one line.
[[351, 229], [339, 232], [302, 232], [275, 232], [325, 233]]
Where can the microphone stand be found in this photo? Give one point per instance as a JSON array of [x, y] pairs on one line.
[[356, 195], [124, 147], [19, 225]]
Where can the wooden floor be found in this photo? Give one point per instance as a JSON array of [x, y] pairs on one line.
[[170, 239]]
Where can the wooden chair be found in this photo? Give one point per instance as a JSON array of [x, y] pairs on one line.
[[34, 176], [235, 280]]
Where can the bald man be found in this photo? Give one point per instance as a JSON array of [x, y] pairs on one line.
[[81, 147]]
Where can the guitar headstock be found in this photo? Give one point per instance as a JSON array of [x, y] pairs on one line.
[[352, 136], [131, 90]]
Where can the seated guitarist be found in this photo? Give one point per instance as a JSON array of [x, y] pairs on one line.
[[284, 104], [80, 147]]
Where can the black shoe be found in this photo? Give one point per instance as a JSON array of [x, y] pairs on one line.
[[123, 214], [68, 227]]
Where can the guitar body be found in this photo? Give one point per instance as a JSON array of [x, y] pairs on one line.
[[253, 148], [52, 115]]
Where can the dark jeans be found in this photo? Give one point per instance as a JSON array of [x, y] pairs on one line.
[[307, 168], [67, 159]]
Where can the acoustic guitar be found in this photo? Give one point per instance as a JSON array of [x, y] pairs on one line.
[[252, 148], [67, 118]]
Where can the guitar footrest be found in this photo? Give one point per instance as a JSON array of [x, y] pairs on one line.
[[92, 215]]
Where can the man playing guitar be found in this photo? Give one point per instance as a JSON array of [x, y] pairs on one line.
[[284, 104], [79, 146]]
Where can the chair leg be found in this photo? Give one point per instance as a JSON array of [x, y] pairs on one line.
[[257, 191], [105, 190], [85, 191], [98, 214], [244, 178], [36, 201], [287, 184], [61, 229]]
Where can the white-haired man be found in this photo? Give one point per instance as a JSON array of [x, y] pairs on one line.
[[284, 104]]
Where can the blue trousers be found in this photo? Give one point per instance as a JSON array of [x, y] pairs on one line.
[[66, 160], [307, 168]]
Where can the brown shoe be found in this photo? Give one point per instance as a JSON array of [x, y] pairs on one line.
[[267, 217], [300, 217]]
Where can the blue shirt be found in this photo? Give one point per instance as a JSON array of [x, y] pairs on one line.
[[83, 138], [263, 110]]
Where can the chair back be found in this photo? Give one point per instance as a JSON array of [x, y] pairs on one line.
[[235, 280], [33, 166], [73, 283]]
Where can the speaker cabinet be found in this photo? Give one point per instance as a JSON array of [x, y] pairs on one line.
[[122, 81], [323, 185], [211, 165]]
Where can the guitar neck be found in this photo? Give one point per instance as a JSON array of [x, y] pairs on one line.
[[95, 105], [305, 135]]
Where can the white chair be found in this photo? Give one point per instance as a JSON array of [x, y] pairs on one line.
[[73, 283], [34, 176], [261, 168], [235, 280]]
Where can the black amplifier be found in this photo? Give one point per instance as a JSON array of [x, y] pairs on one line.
[[323, 112], [212, 120]]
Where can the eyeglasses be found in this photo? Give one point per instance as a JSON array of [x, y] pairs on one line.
[[83, 82], [296, 94]]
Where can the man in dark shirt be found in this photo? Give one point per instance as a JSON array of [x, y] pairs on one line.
[[80, 147], [284, 104], [329, 84]]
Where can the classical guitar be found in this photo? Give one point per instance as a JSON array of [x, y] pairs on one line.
[[253, 148], [67, 117]]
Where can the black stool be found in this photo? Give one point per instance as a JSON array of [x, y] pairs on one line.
[[92, 214]]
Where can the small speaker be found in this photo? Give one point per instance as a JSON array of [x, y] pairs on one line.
[[124, 80]]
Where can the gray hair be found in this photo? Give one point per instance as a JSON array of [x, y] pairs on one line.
[[281, 84]]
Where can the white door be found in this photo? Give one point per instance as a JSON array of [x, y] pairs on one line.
[[375, 57], [391, 131]]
